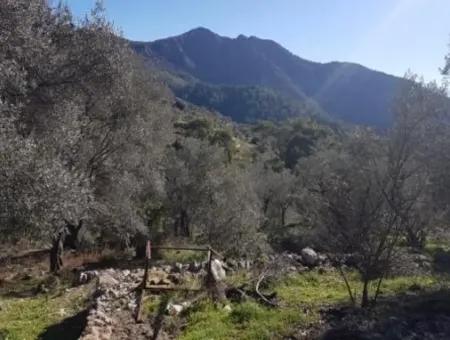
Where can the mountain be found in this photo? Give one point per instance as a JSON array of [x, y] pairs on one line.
[[345, 91]]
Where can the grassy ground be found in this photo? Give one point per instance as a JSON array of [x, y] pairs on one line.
[[28, 318], [301, 297]]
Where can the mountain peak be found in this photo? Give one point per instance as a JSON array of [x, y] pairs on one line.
[[200, 31], [348, 93]]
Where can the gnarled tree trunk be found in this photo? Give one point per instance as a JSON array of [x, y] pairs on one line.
[[65, 239]]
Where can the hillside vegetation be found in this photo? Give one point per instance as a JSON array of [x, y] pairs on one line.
[[248, 103], [347, 92], [98, 156]]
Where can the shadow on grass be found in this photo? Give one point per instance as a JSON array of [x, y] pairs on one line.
[[24, 287], [441, 260], [418, 315], [68, 329]]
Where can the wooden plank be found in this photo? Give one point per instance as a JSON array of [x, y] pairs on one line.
[[140, 302], [216, 253], [172, 288], [180, 248]]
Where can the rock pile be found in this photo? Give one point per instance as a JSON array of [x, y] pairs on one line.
[[114, 306], [112, 315]]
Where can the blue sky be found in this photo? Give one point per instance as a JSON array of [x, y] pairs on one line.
[[387, 35]]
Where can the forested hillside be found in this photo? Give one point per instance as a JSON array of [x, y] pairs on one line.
[[347, 92], [248, 103], [301, 215]]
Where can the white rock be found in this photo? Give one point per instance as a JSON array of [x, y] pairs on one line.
[[174, 309], [217, 270], [309, 256], [227, 308]]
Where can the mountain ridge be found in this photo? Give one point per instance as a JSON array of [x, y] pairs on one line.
[[349, 92]]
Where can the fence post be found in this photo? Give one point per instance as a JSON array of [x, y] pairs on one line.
[[143, 286]]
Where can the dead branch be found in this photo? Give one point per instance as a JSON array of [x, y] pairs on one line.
[[258, 284]]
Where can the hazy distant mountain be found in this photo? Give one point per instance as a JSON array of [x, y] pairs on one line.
[[348, 92]]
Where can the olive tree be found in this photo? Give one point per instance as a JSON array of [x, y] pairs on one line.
[[86, 124], [359, 196], [210, 200]]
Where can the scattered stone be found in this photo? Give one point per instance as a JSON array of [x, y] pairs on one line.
[[227, 308], [195, 267], [106, 280], [87, 276], [309, 256], [174, 309], [175, 278]]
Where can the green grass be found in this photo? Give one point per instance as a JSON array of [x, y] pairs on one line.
[[26, 318], [300, 295], [239, 278], [433, 245], [151, 305], [182, 256]]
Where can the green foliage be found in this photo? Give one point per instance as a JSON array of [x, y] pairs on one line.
[[181, 256], [198, 128], [248, 103], [291, 140], [151, 304], [300, 295]]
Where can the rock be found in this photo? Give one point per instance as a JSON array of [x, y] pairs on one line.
[[322, 258], [164, 282], [107, 280], [421, 258], [227, 308], [217, 270], [297, 258], [177, 268], [132, 305], [83, 278], [195, 267], [309, 256], [174, 309], [167, 268], [175, 278], [232, 264]]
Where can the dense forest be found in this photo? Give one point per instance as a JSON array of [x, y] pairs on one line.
[[248, 103], [96, 152]]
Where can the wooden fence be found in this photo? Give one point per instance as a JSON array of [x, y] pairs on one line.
[[148, 255]]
